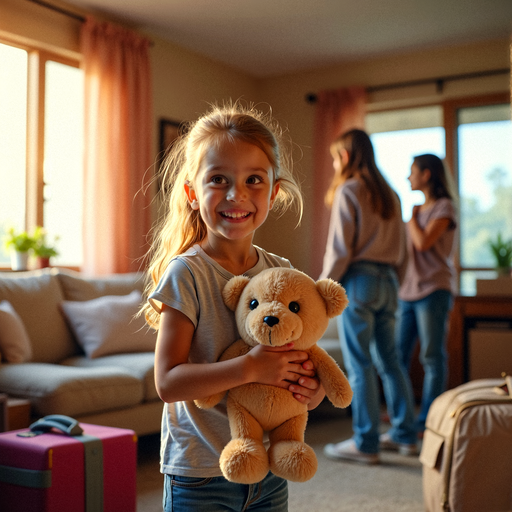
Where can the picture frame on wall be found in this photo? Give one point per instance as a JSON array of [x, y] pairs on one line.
[[169, 132]]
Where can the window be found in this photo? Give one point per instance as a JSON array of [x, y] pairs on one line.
[[398, 136], [63, 167], [41, 149], [475, 136], [13, 129], [484, 147]]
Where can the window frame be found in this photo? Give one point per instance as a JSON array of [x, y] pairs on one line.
[[450, 114], [35, 142]]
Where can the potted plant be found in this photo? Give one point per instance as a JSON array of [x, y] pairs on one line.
[[502, 252], [19, 245], [43, 250]]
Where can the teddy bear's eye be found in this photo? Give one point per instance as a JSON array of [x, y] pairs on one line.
[[253, 304], [294, 307]]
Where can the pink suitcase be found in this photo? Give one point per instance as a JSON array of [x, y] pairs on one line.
[[467, 449], [59, 465]]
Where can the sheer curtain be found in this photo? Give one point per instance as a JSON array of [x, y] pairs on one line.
[[336, 112], [118, 137]]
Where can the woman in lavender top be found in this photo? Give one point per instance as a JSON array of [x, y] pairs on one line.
[[426, 294]]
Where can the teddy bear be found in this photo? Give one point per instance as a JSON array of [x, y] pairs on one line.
[[276, 307]]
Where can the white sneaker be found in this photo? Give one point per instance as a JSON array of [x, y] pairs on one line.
[[347, 450], [386, 443]]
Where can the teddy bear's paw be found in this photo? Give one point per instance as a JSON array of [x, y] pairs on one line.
[[210, 401], [293, 460], [341, 397], [244, 461]]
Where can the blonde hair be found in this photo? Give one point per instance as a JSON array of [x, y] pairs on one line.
[[181, 227], [361, 164]]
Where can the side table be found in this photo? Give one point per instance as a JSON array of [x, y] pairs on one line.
[[14, 413]]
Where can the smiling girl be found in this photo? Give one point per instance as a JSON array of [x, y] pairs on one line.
[[225, 176]]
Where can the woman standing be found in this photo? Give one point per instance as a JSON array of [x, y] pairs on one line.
[[365, 249], [426, 295]]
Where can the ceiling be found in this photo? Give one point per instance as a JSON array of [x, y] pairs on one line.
[[273, 37]]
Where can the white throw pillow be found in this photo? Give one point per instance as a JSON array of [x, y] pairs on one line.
[[107, 325], [15, 344]]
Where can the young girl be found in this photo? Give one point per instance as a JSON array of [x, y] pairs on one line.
[[427, 291], [365, 249], [225, 176]]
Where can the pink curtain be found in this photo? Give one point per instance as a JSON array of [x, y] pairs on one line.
[[336, 112], [118, 139]]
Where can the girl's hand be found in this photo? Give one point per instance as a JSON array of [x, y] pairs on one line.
[[308, 390], [288, 369], [277, 366]]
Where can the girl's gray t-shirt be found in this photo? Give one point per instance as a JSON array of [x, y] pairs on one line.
[[193, 438]]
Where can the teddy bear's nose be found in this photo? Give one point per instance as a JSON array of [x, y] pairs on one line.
[[271, 320]]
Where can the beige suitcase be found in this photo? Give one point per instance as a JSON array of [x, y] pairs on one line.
[[467, 449]]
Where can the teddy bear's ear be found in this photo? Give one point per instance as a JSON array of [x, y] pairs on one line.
[[334, 296], [233, 289]]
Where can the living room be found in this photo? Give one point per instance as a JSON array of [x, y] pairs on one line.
[[185, 82], [456, 74]]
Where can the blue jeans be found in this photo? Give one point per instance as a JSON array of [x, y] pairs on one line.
[[367, 335], [426, 318], [216, 494]]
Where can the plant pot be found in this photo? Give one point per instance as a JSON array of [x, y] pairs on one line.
[[42, 262], [504, 272], [19, 260]]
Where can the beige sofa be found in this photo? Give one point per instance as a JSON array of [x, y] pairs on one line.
[[66, 348], [72, 348]]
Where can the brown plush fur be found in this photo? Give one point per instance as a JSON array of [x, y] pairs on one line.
[[256, 408]]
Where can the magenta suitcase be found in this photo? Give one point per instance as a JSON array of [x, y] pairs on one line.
[[59, 465]]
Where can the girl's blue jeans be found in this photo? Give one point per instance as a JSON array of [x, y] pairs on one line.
[[427, 319], [367, 334], [218, 495]]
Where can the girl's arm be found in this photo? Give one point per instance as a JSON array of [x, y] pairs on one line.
[[178, 380], [424, 239]]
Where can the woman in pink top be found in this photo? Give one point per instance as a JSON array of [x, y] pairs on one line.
[[426, 295]]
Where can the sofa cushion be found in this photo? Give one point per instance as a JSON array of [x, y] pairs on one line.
[[330, 342], [36, 295], [108, 325], [77, 287], [139, 365], [58, 389], [14, 341]]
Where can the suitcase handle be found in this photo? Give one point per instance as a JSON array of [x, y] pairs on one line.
[[60, 422], [506, 388]]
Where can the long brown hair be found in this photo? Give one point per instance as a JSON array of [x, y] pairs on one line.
[[361, 164], [440, 183]]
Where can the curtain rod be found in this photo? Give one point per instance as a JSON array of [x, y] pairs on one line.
[[70, 14], [59, 9], [439, 82]]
